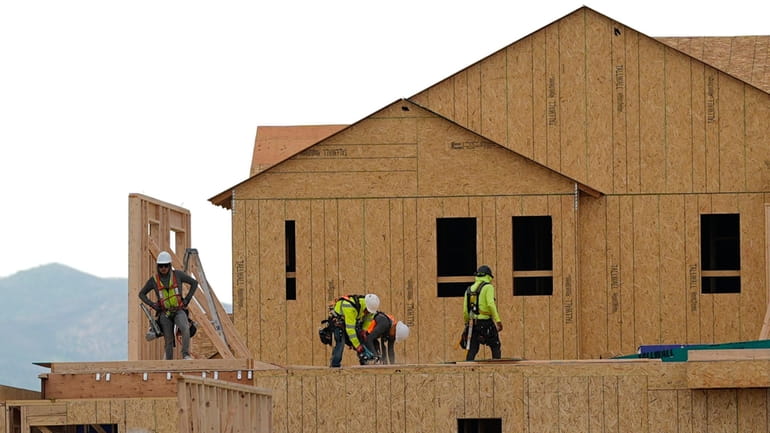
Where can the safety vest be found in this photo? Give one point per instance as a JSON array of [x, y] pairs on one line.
[[391, 332], [353, 300], [473, 299], [169, 297]]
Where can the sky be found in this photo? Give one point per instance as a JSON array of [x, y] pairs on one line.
[[100, 99]]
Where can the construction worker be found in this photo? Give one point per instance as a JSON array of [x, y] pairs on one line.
[[482, 320], [347, 314], [172, 305], [384, 331]]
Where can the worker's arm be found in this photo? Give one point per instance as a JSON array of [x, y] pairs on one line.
[[148, 286], [350, 313], [491, 310], [185, 278]]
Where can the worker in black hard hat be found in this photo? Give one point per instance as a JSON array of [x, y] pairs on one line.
[[481, 317]]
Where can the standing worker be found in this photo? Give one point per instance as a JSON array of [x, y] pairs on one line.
[[171, 306], [481, 316], [381, 334], [347, 315]]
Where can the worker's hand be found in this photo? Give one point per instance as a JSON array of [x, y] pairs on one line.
[[499, 326], [360, 348]]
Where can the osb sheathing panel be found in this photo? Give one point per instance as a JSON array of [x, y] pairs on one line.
[[406, 155], [620, 112], [640, 260], [527, 397]]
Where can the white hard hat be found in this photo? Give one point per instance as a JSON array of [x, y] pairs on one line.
[[372, 302], [164, 258], [402, 331]]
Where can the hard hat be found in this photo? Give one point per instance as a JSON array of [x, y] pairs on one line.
[[402, 331], [164, 258], [484, 270], [372, 302]]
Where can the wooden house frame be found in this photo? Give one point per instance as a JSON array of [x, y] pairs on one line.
[[625, 142]]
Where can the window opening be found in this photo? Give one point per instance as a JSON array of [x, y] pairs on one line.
[[291, 261], [479, 425], [532, 256], [455, 255], [720, 253]]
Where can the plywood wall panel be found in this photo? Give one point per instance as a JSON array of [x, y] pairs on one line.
[[351, 251], [646, 272], [494, 110], [570, 282], [520, 98], [698, 110], [390, 126], [412, 266], [474, 97], [757, 131], [551, 153], [652, 115], [419, 418], [593, 281], [556, 335], [673, 271], [509, 307], [663, 403], [304, 309], [599, 85], [678, 139], [376, 252], [539, 102], [310, 393], [713, 115], [574, 403], [573, 109], [274, 185], [472, 391], [272, 282], [732, 135], [753, 299], [612, 274], [627, 275], [322, 295], [542, 403], [722, 413], [619, 110], [633, 114], [252, 299], [752, 407], [692, 261], [633, 405], [441, 97], [240, 270], [449, 402], [461, 97], [707, 317], [431, 348]]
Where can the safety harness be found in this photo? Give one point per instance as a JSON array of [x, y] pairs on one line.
[[472, 300]]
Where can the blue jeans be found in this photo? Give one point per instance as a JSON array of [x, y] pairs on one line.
[[339, 347]]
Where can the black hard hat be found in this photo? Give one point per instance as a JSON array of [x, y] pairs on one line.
[[484, 270]]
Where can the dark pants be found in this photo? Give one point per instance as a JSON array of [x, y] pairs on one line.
[[339, 346], [167, 323], [484, 332]]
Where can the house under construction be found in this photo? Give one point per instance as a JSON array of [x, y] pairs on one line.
[[617, 184]]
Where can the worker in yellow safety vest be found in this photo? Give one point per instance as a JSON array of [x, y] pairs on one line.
[[347, 313], [171, 305], [482, 320]]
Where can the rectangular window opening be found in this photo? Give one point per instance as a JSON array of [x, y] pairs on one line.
[[720, 253], [291, 261], [455, 255], [479, 425], [532, 256]]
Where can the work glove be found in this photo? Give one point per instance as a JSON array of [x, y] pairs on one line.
[[499, 326], [360, 348]]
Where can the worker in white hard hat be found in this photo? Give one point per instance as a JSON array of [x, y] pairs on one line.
[[347, 313], [380, 335], [171, 304]]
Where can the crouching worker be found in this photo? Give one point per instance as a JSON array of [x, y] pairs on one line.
[[346, 314], [381, 334], [172, 305]]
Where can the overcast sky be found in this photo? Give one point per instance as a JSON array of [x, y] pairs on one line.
[[100, 99]]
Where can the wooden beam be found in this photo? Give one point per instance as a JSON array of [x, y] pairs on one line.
[[120, 367]]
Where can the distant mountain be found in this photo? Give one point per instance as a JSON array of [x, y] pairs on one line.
[[59, 314]]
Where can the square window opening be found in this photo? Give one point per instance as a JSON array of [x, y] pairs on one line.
[[479, 425], [455, 255]]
